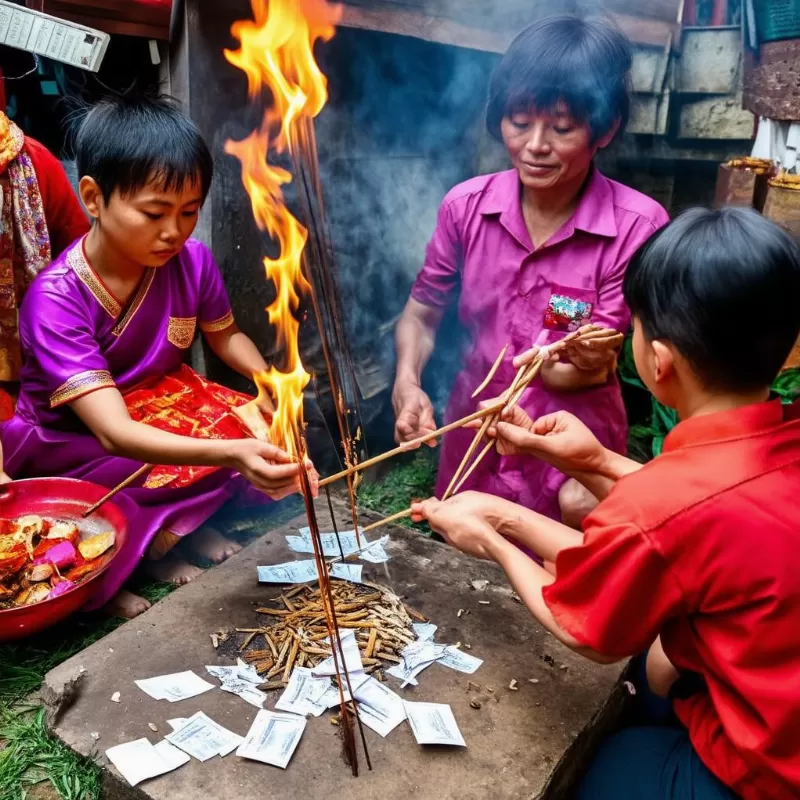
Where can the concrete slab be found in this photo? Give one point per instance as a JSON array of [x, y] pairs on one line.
[[515, 743]]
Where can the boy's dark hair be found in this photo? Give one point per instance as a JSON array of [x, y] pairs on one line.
[[125, 142], [584, 63], [722, 287]]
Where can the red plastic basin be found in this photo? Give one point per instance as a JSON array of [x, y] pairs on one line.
[[60, 498]]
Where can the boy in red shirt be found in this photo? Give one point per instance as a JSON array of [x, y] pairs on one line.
[[696, 552]]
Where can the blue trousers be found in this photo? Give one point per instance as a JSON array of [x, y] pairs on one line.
[[654, 760]]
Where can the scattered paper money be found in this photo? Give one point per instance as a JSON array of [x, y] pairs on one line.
[[139, 760], [347, 572], [203, 738], [246, 690], [303, 694], [272, 738], [460, 661], [424, 630], [417, 657], [330, 544], [291, 572], [247, 672], [434, 723], [178, 686], [375, 553], [379, 707], [178, 722], [352, 657], [331, 698], [223, 673]]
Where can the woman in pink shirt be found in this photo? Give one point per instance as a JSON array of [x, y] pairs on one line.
[[534, 253]]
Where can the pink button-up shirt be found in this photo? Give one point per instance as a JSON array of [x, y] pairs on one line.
[[512, 293]]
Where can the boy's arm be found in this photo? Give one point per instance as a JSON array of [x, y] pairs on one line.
[[237, 350]]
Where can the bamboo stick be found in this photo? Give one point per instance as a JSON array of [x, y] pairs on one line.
[[388, 520], [404, 448], [488, 379], [118, 488]]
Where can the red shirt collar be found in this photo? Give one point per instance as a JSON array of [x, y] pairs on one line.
[[740, 423]]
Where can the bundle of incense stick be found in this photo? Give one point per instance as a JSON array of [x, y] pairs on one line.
[[510, 398], [329, 612]]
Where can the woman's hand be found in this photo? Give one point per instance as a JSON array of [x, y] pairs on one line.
[[413, 413], [588, 354], [5, 477], [270, 469], [462, 522]]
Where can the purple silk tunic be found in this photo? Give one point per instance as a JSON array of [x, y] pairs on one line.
[[511, 293], [77, 338]]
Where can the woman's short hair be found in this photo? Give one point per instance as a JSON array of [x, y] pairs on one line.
[[583, 63]]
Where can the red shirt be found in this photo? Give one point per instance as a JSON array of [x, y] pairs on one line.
[[702, 546], [66, 220]]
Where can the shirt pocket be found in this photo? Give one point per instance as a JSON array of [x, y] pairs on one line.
[[180, 331], [568, 308]]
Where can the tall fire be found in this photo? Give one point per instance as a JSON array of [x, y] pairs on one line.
[[276, 54]]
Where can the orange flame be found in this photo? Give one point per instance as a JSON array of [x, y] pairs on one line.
[[276, 54]]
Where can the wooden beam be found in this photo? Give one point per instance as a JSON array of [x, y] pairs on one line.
[[424, 26], [448, 31]]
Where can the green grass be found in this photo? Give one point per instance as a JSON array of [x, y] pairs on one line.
[[31, 756], [413, 478]]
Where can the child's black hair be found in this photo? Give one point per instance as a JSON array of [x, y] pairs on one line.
[[722, 287], [124, 143], [584, 63]]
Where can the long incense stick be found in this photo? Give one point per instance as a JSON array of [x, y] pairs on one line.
[[404, 448], [118, 488]]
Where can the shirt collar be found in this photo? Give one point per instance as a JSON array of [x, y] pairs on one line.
[[739, 423], [594, 213]]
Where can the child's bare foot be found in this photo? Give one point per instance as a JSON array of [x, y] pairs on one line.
[[211, 545], [172, 569], [126, 605]]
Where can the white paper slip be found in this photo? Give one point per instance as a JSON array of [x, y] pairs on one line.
[[352, 657], [272, 738], [424, 630], [291, 572], [386, 709], [178, 686], [244, 689], [139, 760], [178, 722], [375, 552], [434, 723], [347, 572], [223, 673], [460, 661], [406, 677], [203, 738], [330, 544], [171, 755], [247, 672], [331, 697], [303, 694]]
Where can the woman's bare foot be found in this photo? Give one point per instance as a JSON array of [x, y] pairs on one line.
[[211, 545], [172, 569], [126, 605]]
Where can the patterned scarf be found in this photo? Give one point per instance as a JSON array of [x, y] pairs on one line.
[[24, 240]]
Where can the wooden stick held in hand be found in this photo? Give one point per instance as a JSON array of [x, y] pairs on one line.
[[404, 448], [118, 488]]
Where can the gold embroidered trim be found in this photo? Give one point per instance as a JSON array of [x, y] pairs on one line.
[[81, 384], [180, 331], [133, 306], [217, 324], [77, 262]]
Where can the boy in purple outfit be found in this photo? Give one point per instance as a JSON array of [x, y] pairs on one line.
[[118, 310], [535, 252]]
